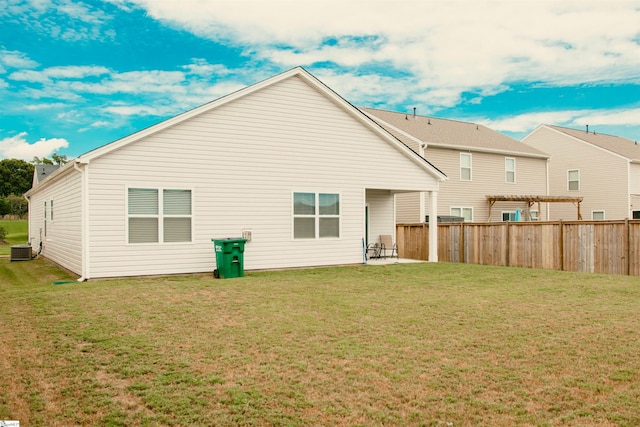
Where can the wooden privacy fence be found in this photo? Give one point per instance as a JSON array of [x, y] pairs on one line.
[[609, 247]]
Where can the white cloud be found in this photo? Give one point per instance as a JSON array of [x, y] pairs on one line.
[[17, 147], [570, 118], [16, 59], [448, 46]]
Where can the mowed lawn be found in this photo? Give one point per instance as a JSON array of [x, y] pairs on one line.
[[17, 234], [408, 344]]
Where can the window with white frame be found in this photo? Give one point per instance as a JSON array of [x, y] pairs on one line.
[[159, 215], [465, 166], [595, 215], [573, 178], [51, 209], [509, 170], [509, 216], [316, 215], [466, 213], [534, 215]]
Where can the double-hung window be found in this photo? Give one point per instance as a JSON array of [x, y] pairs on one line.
[[316, 215], [159, 215], [510, 170], [465, 166], [573, 177], [466, 213]]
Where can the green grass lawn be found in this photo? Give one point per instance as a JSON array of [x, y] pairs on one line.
[[17, 234], [408, 344]]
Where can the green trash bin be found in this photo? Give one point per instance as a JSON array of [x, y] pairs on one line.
[[229, 257]]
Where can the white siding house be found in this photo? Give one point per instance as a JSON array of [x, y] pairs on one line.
[[286, 160], [602, 169], [478, 161]]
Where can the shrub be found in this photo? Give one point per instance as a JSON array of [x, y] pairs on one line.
[[3, 234]]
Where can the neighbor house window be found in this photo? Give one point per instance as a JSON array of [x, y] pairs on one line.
[[465, 167], [316, 215], [574, 179], [510, 169], [508, 216], [534, 215], [159, 215], [51, 209], [635, 214], [466, 213], [597, 215]]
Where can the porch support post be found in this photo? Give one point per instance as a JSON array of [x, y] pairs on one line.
[[433, 226]]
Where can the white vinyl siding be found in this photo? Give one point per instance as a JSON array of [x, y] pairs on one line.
[[243, 161], [510, 170], [488, 179], [62, 243], [465, 212], [465, 167], [147, 221], [573, 180], [604, 177]]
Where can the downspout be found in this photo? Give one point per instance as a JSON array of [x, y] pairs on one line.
[[84, 217]]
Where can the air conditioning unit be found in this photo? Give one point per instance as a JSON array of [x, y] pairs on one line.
[[21, 253]]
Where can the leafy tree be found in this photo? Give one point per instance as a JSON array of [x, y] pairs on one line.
[[3, 234], [17, 204], [59, 159], [4, 206], [16, 176]]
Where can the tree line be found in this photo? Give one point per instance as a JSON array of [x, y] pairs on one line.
[[16, 178]]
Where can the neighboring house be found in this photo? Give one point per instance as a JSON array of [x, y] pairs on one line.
[[603, 169], [41, 171], [286, 162], [478, 161]]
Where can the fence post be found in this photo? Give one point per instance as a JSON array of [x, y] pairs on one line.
[[628, 245], [462, 243], [561, 244], [508, 246]]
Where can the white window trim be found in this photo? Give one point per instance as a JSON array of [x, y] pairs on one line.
[[537, 218], [598, 211], [506, 171], [461, 211], [470, 167], [568, 181], [511, 213], [160, 215], [317, 216]]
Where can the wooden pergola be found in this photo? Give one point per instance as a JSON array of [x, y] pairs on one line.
[[535, 199]]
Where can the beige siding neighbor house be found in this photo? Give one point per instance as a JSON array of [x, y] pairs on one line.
[[478, 161], [602, 169], [286, 162]]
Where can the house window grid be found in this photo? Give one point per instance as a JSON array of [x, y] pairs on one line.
[[316, 219], [162, 219], [466, 167], [597, 215], [465, 212], [573, 179], [508, 216], [510, 170]]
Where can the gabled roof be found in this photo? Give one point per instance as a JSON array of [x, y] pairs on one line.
[[453, 134], [41, 171], [297, 72], [618, 145]]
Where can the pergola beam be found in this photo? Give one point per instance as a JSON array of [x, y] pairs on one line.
[[530, 199]]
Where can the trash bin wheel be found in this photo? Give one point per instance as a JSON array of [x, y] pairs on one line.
[[216, 273]]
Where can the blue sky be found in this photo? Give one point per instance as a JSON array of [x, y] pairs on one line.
[[75, 75]]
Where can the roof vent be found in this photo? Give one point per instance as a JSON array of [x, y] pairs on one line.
[[414, 112], [587, 128]]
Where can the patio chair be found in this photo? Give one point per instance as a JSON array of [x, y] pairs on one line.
[[374, 250], [387, 245]]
